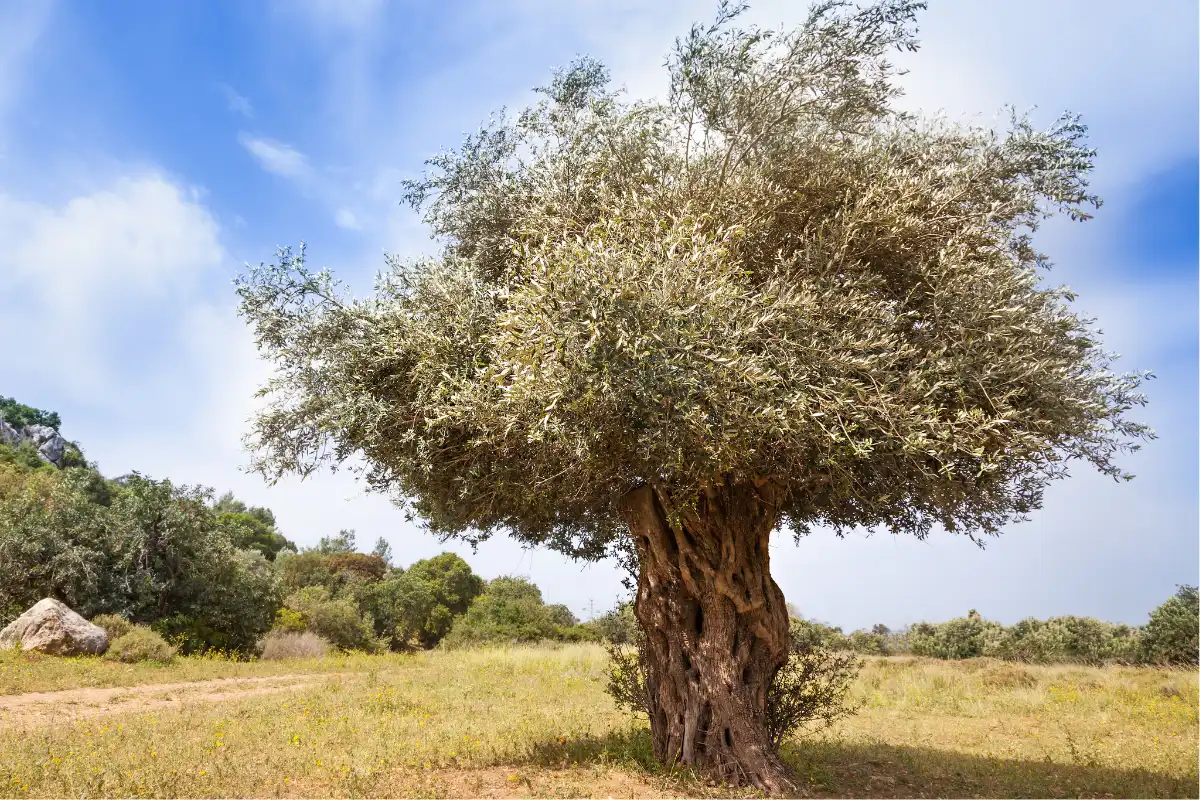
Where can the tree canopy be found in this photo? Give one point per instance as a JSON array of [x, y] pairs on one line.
[[20, 415], [771, 276]]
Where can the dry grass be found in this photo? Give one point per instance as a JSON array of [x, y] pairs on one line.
[[31, 672], [278, 645], [537, 723]]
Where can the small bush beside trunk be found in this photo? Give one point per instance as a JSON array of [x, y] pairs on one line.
[[812, 689]]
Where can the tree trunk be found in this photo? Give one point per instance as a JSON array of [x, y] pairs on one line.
[[716, 629]]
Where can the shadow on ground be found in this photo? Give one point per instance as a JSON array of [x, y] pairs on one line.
[[856, 769]]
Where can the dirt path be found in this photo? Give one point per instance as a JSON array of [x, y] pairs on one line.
[[40, 708]]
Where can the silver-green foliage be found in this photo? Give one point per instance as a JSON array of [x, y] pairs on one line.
[[1078, 640], [771, 275], [1172, 635]]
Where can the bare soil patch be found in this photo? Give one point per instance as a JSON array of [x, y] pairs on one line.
[[40, 708]]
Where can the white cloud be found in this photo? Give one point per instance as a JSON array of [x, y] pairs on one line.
[[276, 157], [135, 238], [75, 272], [345, 219], [237, 103]]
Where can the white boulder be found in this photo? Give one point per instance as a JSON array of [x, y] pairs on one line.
[[51, 627]]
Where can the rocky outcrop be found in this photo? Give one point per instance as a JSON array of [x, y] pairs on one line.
[[51, 627], [49, 443], [9, 434]]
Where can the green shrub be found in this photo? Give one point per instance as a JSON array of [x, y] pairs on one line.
[[868, 643], [812, 688], [1080, 640], [433, 593], [24, 456], [618, 626], [808, 634], [114, 625], [580, 632], [336, 619], [1171, 636], [510, 610], [72, 457], [965, 637], [626, 674], [140, 644]]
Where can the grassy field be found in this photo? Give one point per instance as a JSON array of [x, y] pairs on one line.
[[536, 722]]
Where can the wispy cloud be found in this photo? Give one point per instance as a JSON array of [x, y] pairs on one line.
[[237, 102], [21, 26], [276, 157], [345, 219]]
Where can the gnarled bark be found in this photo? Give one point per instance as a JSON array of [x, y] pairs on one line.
[[716, 629]]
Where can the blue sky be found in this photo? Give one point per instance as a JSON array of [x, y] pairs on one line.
[[149, 150]]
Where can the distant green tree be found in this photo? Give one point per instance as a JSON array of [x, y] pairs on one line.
[[149, 551], [562, 616], [227, 503], [618, 627], [55, 541], [807, 635], [383, 550], [251, 527], [432, 593], [184, 574], [868, 643], [964, 637], [249, 532], [342, 542], [1171, 636], [19, 415], [510, 610]]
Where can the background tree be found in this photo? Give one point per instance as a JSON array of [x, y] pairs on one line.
[[510, 610], [1172, 635], [342, 542], [55, 541], [251, 527], [432, 593], [768, 302], [21, 415], [383, 550]]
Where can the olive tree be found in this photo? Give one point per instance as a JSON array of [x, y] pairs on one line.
[[768, 302]]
